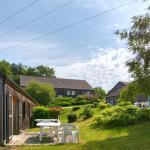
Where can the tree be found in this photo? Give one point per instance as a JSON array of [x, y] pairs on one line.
[[138, 39], [17, 70], [31, 71], [5, 67], [43, 93], [100, 93], [129, 93], [45, 71]]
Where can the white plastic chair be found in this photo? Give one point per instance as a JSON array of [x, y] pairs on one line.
[[69, 129]]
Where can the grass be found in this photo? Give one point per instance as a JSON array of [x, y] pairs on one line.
[[130, 138]]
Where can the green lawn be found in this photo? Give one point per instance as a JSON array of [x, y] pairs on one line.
[[135, 137]]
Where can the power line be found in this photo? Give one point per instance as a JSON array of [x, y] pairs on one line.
[[19, 11], [70, 25], [35, 19], [3, 2]]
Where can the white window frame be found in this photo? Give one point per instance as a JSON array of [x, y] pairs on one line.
[[73, 93], [68, 92], [88, 92]]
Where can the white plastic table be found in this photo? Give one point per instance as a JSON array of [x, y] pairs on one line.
[[43, 125]]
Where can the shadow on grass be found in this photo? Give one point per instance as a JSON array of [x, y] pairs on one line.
[[137, 139]]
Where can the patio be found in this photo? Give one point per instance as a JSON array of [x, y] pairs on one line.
[[32, 138]]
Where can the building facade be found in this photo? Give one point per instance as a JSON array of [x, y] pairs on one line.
[[63, 87], [15, 109]]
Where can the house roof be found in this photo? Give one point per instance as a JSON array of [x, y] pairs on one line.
[[114, 94], [17, 87], [57, 83], [115, 91]]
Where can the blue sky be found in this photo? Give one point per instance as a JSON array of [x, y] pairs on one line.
[[88, 51]]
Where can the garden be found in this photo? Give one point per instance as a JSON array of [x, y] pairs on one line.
[[101, 127]]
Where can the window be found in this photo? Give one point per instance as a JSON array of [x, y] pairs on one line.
[[88, 92], [73, 93], [60, 96], [10, 106], [24, 110], [68, 92]]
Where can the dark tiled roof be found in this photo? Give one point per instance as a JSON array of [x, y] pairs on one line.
[[57, 82], [115, 91], [114, 94]]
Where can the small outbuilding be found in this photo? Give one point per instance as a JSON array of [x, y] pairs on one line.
[[15, 109]]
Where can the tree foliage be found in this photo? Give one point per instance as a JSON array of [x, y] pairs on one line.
[[138, 39], [5, 67], [43, 93], [130, 93], [100, 93], [15, 70]]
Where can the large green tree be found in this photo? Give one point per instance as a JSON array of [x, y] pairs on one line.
[[138, 40], [43, 93], [45, 71], [100, 93], [17, 70]]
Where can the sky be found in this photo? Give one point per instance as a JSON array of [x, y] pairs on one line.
[[89, 50]]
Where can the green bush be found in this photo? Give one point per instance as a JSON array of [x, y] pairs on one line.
[[81, 102], [61, 101], [122, 116], [103, 105], [143, 114], [87, 112], [71, 117], [76, 108], [95, 104], [54, 112], [63, 104], [40, 112], [69, 101], [124, 103]]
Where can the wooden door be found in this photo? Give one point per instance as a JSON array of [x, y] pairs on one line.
[[15, 116], [10, 116]]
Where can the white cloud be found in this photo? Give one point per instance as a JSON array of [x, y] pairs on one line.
[[104, 69]]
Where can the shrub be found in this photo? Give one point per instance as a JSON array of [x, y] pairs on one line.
[[94, 105], [122, 116], [143, 114], [40, 112], [63, 104], [61, 101], [87, 112], [76, 108], [81, 102], [54, 112], [103, 105], [124, 103], [71, 117]]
